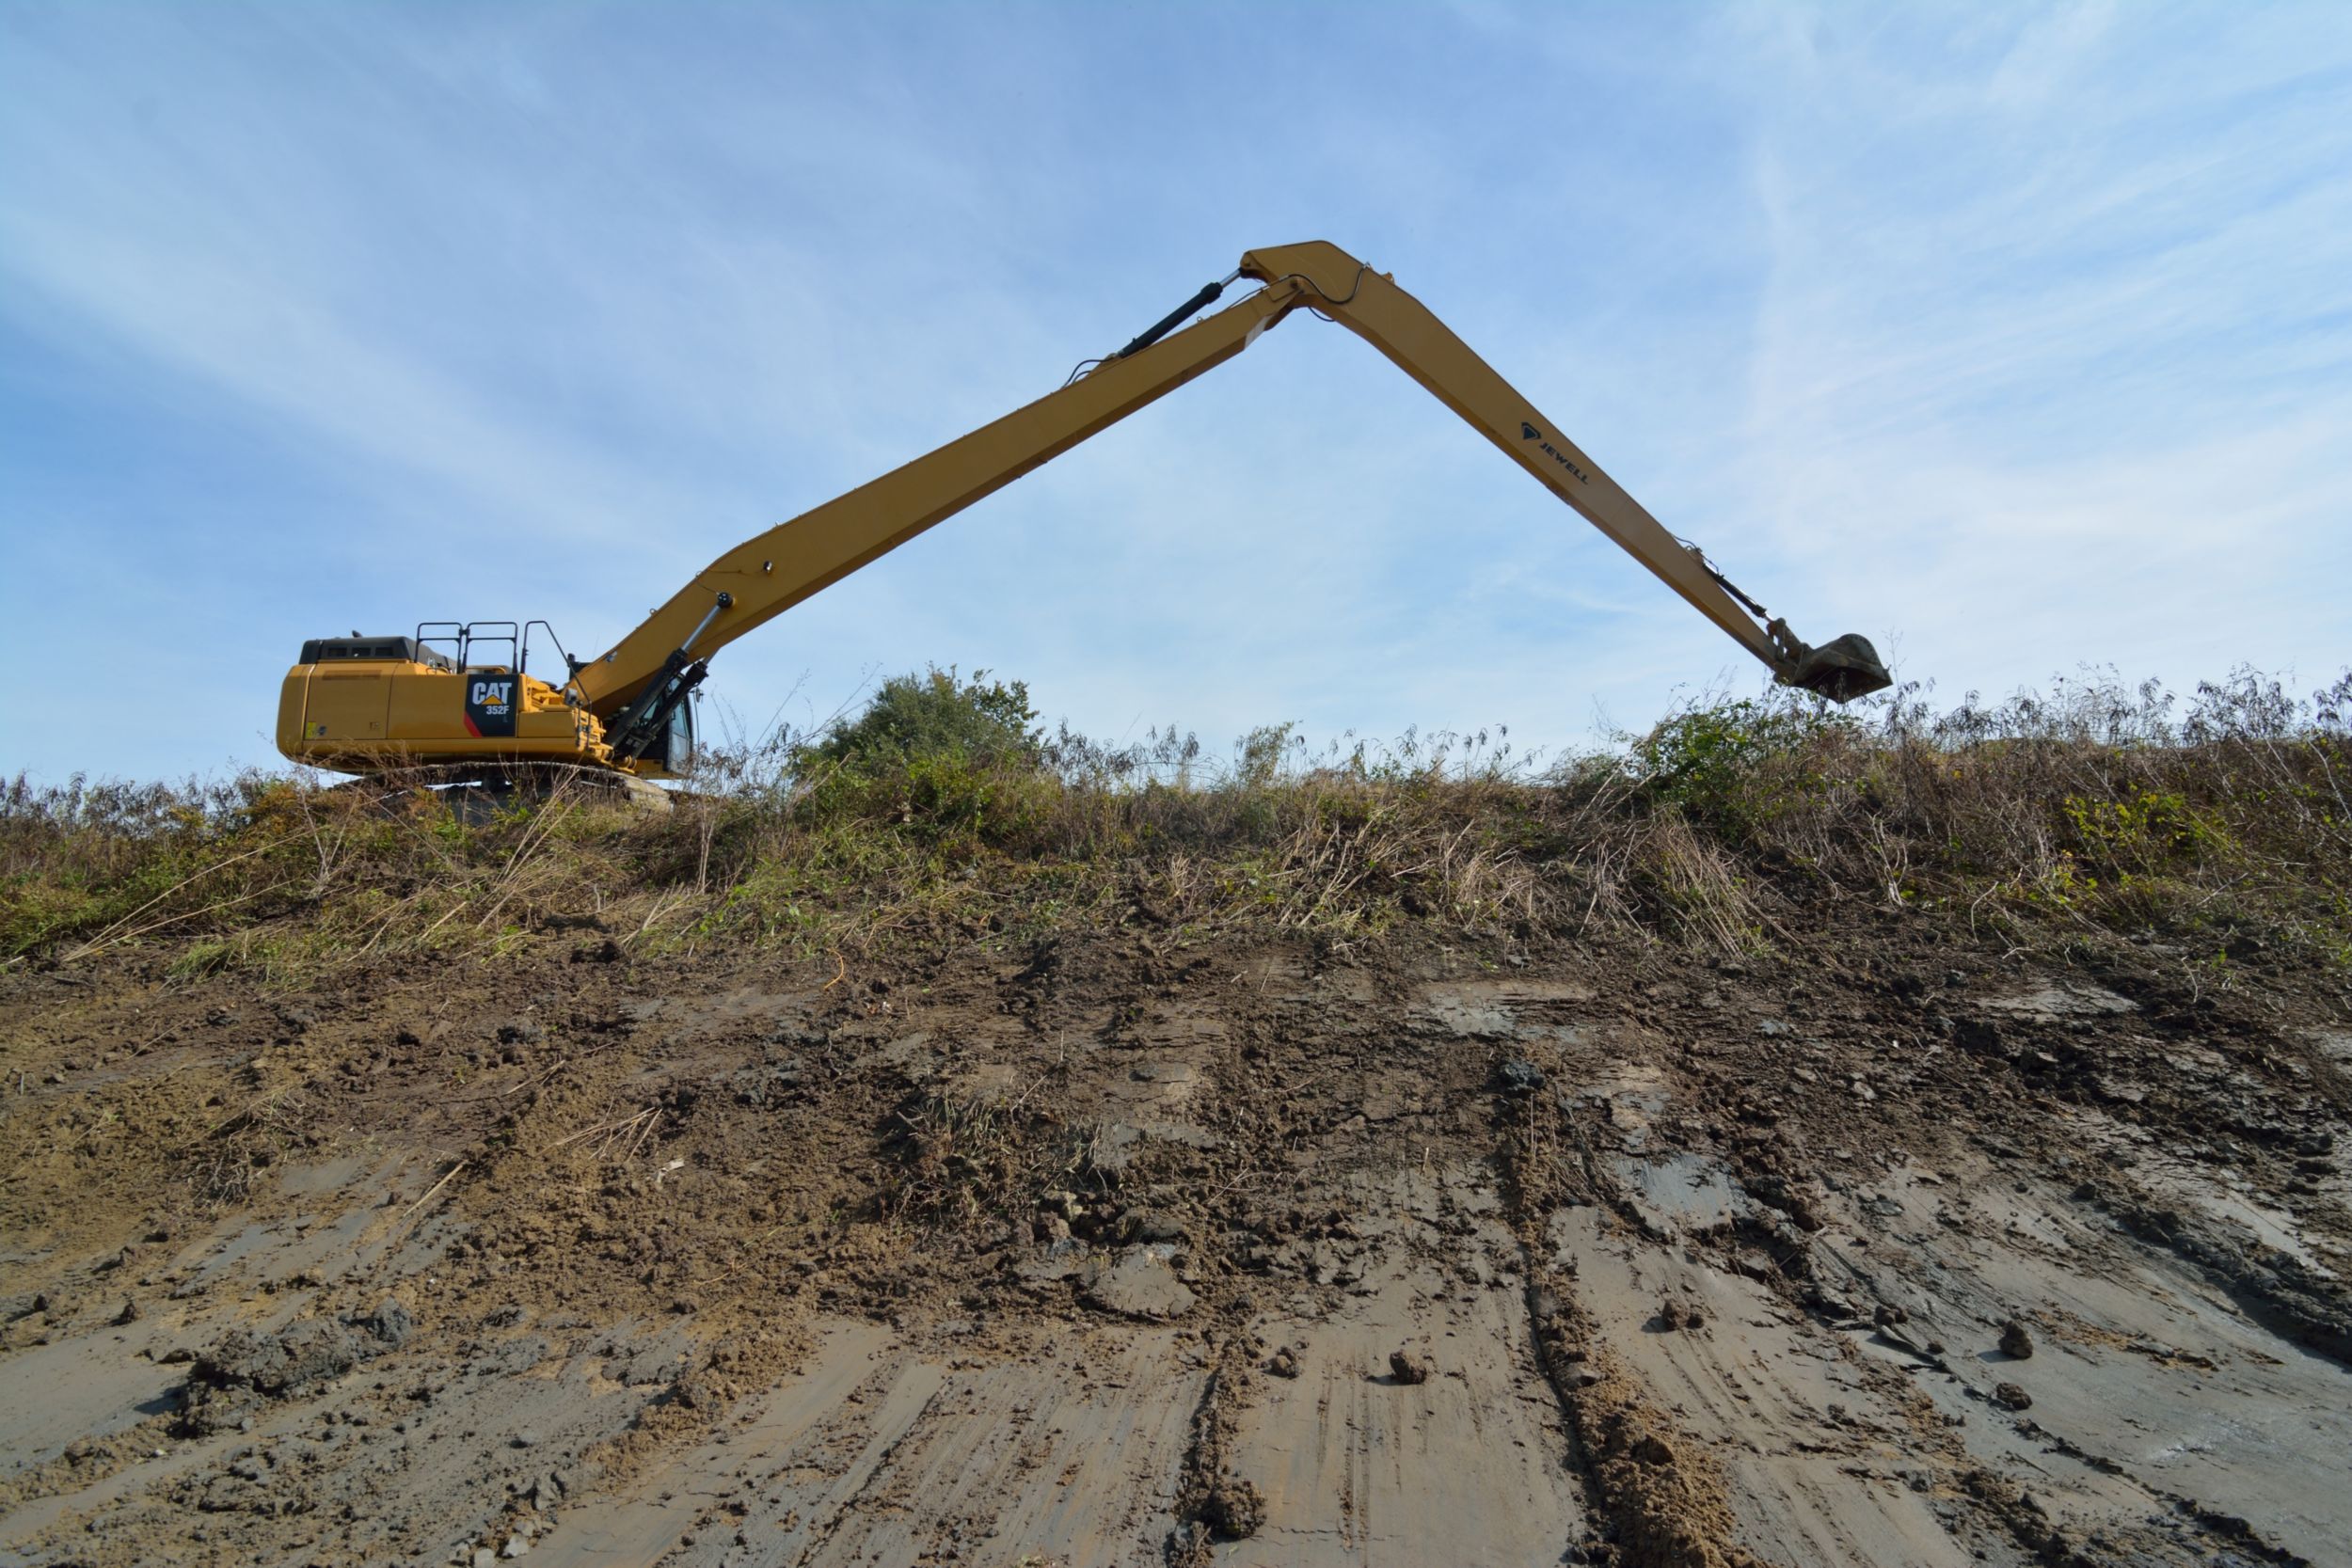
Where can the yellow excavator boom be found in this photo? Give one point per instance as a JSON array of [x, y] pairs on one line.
[[625, 705]]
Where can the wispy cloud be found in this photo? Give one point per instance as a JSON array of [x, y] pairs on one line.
[[2019, 338], [2069, 337]]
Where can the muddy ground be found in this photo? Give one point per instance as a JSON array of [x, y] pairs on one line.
[[1894, 1247]]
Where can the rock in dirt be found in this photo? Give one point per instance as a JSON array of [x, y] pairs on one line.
[[1410, 1365], [1283, 1363], [2012, 1397], [1141, 1284], [2016, 1342]]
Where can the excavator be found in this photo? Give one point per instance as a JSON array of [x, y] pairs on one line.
[[454, 701]]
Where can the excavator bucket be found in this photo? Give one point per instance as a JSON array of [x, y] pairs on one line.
[[1842, 669]]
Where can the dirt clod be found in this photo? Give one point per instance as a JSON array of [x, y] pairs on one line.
[[1410, 1364], [390, 1322], [1516, 1075], [2016, 1340], [1234, 1509], [246, 1369], [1140, 1284]]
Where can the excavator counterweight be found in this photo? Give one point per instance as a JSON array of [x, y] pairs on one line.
[[371, 704]]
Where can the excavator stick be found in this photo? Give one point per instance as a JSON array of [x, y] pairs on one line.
[[1369, 304]]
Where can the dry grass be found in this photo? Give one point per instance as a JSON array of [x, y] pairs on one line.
[[962, 1156], [2093, 807]]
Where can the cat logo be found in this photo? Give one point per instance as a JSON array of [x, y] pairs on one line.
[[490, 707]]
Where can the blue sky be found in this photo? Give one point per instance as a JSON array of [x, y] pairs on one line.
[[2016, 339]]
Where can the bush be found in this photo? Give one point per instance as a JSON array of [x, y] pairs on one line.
[[1736, 765], [958, 760], [915, 718]]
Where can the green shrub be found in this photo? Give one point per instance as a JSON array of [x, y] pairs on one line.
[[1735, 764], [984, 722], [958, 761]]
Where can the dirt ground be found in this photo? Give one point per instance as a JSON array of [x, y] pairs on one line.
[[1893, 1248]]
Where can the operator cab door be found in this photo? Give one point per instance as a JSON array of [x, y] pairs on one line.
[[677, 742]]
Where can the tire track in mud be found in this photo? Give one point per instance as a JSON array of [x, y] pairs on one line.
[[1651, 1477], [870, 1469], [1664, 1497], [1661, 1497], [1213, 1503], [1336, 1161], [2279, 1291], [1650, 1467], [2029, 1523]]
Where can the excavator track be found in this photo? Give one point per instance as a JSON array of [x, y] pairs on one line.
[[478, 794]]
